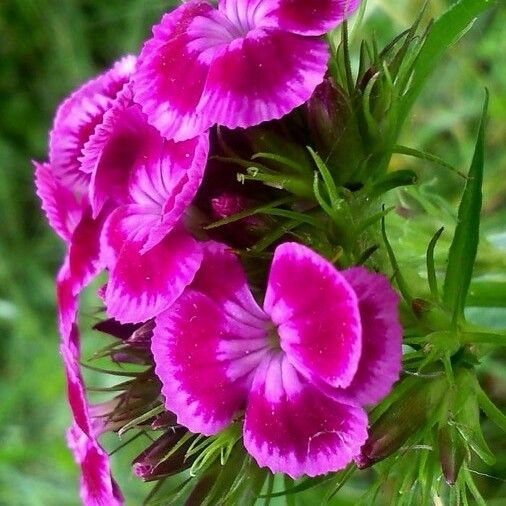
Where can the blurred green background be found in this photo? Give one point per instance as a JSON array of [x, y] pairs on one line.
[[47, 47]]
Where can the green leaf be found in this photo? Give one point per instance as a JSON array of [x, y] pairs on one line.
[[342, 478], [490, 338], [305, 484], [401, 282], [431, 270], [487, 293], [494, 414], [404, 177], [474, 438], [248, 212], [140, 419], [445, 31], [330, 185], [274, 235], [282, 160], [423, 155], [465, 241], [473, 488]]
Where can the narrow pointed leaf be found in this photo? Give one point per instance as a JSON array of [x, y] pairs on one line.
[[445, 31], [396, 179], [431, 270], [465, 241], [493, 413]]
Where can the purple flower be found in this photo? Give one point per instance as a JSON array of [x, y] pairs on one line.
[[150, 182], [249, 61], [302, 367]]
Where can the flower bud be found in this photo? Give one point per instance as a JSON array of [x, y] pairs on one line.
[[164, 420], [246, 231], [136, 338], [334, 131], [451, 452], [153, 463], [404, 417], [327, 112], [116, 329]]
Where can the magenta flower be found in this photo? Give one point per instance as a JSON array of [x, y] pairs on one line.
[[62, 184], [77, 118], [69, 215], [81, 264], [97, 486], [249, 61], [149, 181], [325, 344]]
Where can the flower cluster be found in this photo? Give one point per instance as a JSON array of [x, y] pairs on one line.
[[131, 188]]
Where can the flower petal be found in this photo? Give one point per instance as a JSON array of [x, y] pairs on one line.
[[261, 77], [125, 224], [60, 205], [247, 14], [222, 278], [225, 52], [176, 179], [141, 286], [97, 486], [132, 164], [380, 363], [81, 264], [84, 250], [317, 315], [292, 428], [205, 361], [120, 144], [161, 83], [315, 17], [77, 118], [303, 17]]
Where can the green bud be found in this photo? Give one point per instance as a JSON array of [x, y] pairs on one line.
[[452, 452], [415, 409]]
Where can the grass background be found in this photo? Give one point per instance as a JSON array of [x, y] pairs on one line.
[[47, 47]]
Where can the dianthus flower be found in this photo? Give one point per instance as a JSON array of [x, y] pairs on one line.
[[63, 185], [149, 181], [249, 61], [325, 344], [97, 486], [76, 119]]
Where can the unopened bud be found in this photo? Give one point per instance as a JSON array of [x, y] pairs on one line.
[[153, 463], [403, 418], [327, 113], [335, 132], [243, 232], [451, 452]]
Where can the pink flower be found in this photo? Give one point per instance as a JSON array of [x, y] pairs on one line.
[[97, 486], [69, 215], [249, 61], [150, 182], [302, 367], [62, 184], [80, 266], [76, 119]]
